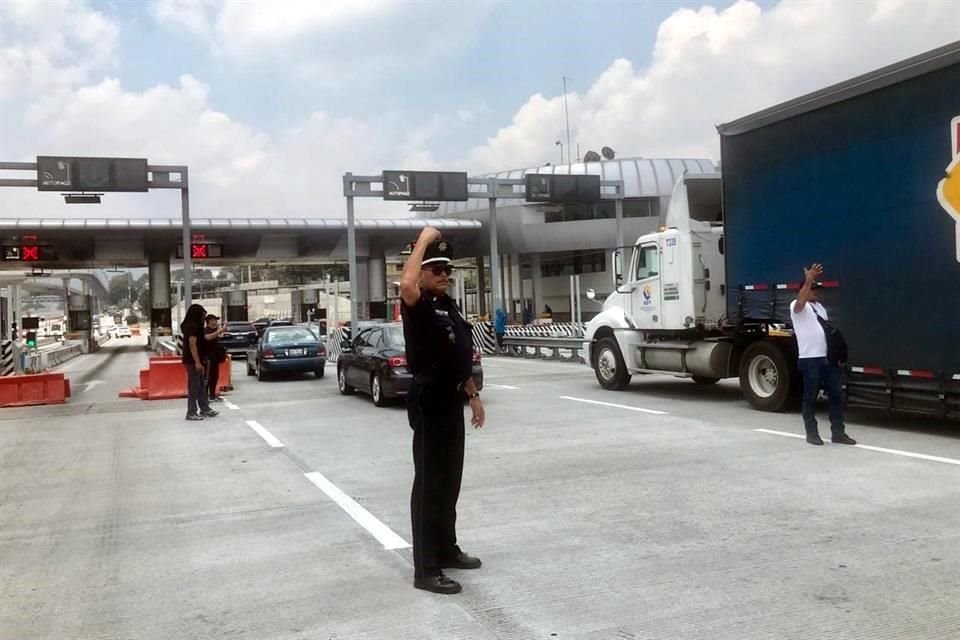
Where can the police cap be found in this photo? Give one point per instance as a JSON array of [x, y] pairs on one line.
[[439, 252]]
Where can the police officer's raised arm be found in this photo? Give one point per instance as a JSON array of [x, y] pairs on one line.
[[410, 280]]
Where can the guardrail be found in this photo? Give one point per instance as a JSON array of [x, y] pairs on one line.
[[544, 348], [40, 361]]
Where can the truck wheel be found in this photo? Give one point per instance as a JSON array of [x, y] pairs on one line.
[[609, 367], [765, 376], [705, 380]]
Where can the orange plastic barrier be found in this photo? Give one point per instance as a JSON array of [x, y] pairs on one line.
[[166, 378], [41, 388], [225, 381]]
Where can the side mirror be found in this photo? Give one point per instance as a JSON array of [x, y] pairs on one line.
[[617, 268], [591, 294]]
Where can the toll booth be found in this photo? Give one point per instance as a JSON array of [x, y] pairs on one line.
[[80, 321], [235, 306], [305, 304]]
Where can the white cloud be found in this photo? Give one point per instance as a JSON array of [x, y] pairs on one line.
[[52, 45], [710, 66], [235, 170], [194, 16], [333, 43]]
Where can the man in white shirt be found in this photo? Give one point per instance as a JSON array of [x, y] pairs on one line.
[[813, 364]]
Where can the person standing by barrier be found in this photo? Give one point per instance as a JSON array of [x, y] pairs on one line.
[[439, 350], [500, 327], [810, 324], [215, 355], [194, 359]]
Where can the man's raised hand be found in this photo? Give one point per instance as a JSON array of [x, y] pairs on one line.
[[814, 272]]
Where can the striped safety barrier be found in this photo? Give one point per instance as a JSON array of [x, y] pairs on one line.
[[484, 340], [333, 342], [7, 353]]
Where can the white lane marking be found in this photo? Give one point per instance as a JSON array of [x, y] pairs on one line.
[[896, 452], [617, 406], [230, 405], [502, 386], [781, 433], [384, 534], [263, 433]]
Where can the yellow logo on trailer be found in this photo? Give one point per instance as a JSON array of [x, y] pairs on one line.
[[948, 190]]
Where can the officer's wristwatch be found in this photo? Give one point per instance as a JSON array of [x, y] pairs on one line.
[[471, 396]]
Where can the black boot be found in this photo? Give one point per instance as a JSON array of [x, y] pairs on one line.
[[814, 438]]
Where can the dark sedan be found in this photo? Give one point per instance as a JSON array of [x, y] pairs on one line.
[[286, 350], [239, 337], [376, 364]]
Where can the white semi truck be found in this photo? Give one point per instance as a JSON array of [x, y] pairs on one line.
[[863, 177]]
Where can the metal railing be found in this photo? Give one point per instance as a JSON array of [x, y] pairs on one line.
[[561, 349]]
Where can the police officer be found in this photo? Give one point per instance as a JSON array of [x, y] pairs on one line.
[[440, 357]]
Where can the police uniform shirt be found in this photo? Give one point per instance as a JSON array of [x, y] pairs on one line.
[[439, 343]]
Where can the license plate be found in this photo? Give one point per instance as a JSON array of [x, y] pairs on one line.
[[295, 352]]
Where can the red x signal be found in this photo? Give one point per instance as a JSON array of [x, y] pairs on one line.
[[29, 253], [198, 250]]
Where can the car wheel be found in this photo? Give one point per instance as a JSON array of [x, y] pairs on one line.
[[376, 391], [319, 372], [345, 389], [261, 374], [609, 367]]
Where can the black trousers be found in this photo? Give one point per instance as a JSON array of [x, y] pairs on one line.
[[436, 417], [213, 378]]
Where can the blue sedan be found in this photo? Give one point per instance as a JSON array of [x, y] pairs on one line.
[[286, 349]]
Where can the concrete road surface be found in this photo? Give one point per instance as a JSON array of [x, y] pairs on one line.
[[657, 513]]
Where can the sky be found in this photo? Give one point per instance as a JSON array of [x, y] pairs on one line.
[[270, 103]]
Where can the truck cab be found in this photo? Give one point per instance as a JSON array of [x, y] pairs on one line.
[[667, 311]]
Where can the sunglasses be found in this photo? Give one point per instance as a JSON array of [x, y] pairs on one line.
[[440, 269]]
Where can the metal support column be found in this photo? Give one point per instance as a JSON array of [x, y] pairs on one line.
[[481, 287], [618, 207], [537, 278], [509, 293], [495, 297], [187, 236], [351, 254]]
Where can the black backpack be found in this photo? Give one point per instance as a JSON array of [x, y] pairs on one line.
[[836, 344]]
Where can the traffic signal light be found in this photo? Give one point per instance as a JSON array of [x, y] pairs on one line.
[[32, 339]]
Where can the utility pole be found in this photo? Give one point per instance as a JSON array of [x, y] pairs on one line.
[[566, 112]]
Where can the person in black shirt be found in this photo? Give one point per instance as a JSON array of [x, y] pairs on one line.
[[194, 359], [215, 355], [440, 356]]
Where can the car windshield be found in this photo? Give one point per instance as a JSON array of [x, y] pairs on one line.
[[394, 337], [291, 335]]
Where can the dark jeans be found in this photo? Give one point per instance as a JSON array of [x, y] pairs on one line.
[[196, 390], [436, 417], [213, 379], [818, 372]]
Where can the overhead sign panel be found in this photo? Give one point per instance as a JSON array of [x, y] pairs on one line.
[[61, 173], [562, 189], [202, 250], [433, 186], [30, 252]]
